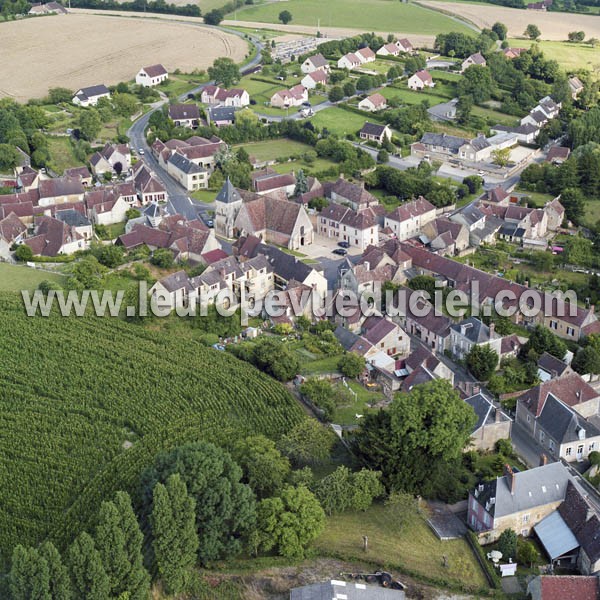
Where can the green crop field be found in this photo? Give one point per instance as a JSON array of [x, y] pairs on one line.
[[15, 278], [366, 15], [572, 57], [85, 404]]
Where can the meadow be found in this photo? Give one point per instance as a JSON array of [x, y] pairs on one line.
[[85, 404], [376, 15], [15, 278]]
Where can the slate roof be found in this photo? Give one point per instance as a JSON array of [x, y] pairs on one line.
[[552, 365], [221, 113], [228, 194], [484, 410], [555, 535], [373, 129], [183, 164], [93, 90], [474, 330], [534, 487], [562, 423], [443, 140], [346, 590], [72, 217], [176, 281]]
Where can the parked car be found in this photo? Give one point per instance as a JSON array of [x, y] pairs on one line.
[[307, 104], [280, 78], [343, 244], [141, 151], [340, 251]]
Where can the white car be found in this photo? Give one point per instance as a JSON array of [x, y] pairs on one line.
[[141, 152]]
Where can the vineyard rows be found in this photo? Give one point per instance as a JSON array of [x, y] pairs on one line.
[[85, 403]]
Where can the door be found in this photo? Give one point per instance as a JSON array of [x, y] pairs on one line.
[[580, 452]]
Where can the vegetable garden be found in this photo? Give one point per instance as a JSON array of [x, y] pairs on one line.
[[86, 403]]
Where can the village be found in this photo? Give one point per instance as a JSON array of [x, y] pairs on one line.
[[373, 168]]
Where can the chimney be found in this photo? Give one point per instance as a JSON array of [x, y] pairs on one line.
[[511, 479], [492, 329], [543, 460], [592, 308], [497, 416]]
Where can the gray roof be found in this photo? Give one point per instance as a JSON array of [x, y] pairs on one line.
[[72, 217], [152, 210], [470, 215], [347, 590], [228, 194], [94, 90], [444, 111], [345, 337], [480, 142], [555, 535], [512, 230], [474, 330], [373, 129], [562, 423], [185, 165], [535, 487], [443, 140], [284, 265], [221, 113], [483, 408], [552, 365]]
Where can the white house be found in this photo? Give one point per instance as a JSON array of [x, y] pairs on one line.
[[389, 50], [313, 79], [215, 95], [373, 103], [474, 59], [293, 97], [89, 96], [420, 80], [366, 55], [314, 63], [405, 46], [358, 228], [151, 76], [407, 219], [349, 61]]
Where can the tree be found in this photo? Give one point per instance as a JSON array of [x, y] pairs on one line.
[[501, 156], [163, 258], [224, 71], [336, 93], [90, 124], [429, 426], [482, 361], [464, 106], [290, 522], [265, 469], [307, 443], [587, 360], [276, 359], [532, 31], [541, 340], [285, 16], [476, 82], [24, 253], [366, 487], [301, 183], [500, 30], [29, 577], [579, 251], [364, 83], [576, 36], [383, 156], [174, 536], [9, 157], [527, 553], [59, 583], [474, 183], [351, 364], [225, 507], [110, 543], [321, 393], [349, 88], [393, 73], [214, 16], [507, 544], [400, 509], [88, 577], [574, 203], [59, 94]]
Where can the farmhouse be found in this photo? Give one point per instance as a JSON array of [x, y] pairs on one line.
[[185, 115], [312, 80], [420, 80], [375, 132], [113, 157], [295, 96], [349, 61], [317, 62], [474, 59], [89, 96], [373, 103], [236, 97], [151, 76]]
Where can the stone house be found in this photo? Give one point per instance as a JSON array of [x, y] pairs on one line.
[[492, 424], [472, 332], [408, 219]]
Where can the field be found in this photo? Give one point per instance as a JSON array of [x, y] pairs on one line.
[[114, 50], [273, 149], [571, 57], [553, 25], [15, 278], [76, 392], [339, 121], [371, 15], [414, 549], [62, 155]]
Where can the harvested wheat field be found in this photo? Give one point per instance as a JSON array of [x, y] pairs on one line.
[[79, 50], [553, 25]]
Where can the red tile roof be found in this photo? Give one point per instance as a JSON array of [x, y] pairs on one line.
[[569, 587]]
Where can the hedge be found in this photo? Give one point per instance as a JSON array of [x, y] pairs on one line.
[[490, 573]]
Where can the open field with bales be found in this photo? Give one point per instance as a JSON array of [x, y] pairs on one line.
[[114, 50], [381, 15], [553, 25]]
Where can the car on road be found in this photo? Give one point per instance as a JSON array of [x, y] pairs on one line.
[[307, 104], [340, 251], [141, 151], [480, 173], [343, 244]]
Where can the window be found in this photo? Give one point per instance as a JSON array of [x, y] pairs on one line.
[[569, 450], [592, 446], [553, 325], [525, 519], [570, 331], [542, 436]]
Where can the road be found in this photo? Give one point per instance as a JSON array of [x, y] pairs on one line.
[[179, 201]]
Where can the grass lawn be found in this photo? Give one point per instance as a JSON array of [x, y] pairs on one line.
[[407, 96], [571, 57], [496, 116], [61, 154], [413, 548], [111, 130], [204, 195], [14, 278], [536, 199], [312, 364], [367, 15], [318, 165], [346, 415], [273, 149], [180, 84], [115, 230], [339, 121], [445, 76]]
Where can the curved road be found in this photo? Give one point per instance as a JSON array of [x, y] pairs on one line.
[[179, 201]]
